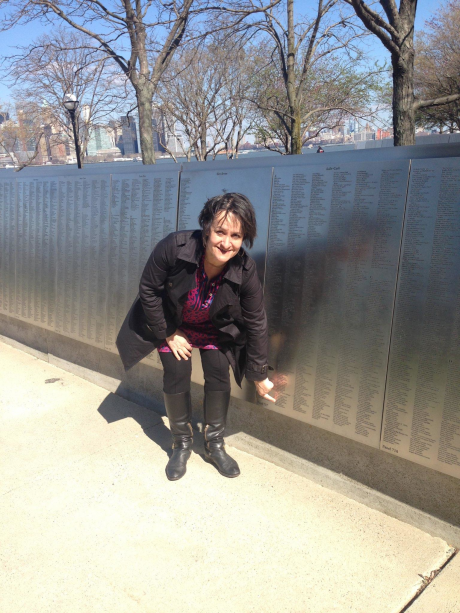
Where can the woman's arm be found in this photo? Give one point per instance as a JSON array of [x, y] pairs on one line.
[[255, 319], [151, 288]]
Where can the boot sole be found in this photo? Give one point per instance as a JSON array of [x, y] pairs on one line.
[[209, 461]]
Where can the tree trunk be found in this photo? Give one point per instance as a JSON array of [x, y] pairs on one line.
[[403, 98], [203, 142], [296, 141], [296, 136], [144, 104]]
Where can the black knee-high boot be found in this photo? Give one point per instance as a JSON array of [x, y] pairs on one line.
[[215, 418], [179, 412]]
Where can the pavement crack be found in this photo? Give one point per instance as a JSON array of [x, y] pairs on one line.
[[427, 579]]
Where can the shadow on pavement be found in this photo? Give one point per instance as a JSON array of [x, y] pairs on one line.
[[114, 408]]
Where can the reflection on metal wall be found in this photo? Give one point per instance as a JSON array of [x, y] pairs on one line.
[[143, 211], [73, 245], [198, 185], [8, 246], [82, 260], [72, 248], [332, 259], [36, 251], [422, 404]]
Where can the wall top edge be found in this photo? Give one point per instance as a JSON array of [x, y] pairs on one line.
[[274, 161]]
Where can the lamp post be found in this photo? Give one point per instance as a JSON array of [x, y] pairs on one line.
[[71, 105]]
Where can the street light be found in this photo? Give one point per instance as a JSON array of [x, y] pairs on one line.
[[71, 105]]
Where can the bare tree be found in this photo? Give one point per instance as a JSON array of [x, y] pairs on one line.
[[333, 93], [62, 64], [140, 36], [204, 93], [149, 30], [437, 69], [239, 117], [395, 28], [309, 76]]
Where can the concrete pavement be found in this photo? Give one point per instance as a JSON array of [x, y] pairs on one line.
[[90, 523]]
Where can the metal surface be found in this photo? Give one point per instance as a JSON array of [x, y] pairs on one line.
[[73, 245], [198, 185], [36, 252], [332, 259], [143, 210], [80, 231], [7, 245], [422, 403]]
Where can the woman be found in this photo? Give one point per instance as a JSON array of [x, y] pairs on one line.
[[200, 289]]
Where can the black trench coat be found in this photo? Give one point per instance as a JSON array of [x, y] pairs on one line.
[[237, 310]]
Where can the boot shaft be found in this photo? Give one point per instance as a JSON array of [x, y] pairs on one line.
[[215, 417], [179, 412]]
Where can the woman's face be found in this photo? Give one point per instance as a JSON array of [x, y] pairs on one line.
[[224, 240]]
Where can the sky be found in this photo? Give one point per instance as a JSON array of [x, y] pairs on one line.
[[24, 35]]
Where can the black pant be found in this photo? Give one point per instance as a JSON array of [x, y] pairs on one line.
[[176, 377]]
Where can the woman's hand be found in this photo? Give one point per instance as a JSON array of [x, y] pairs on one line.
[[263, 388], [179, 345]]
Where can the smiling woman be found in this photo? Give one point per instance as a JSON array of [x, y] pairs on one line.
[[200, 289]]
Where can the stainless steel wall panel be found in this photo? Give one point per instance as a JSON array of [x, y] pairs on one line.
[[85, 259], [21, 251], [422, 405], [29, 221], [60, 253], [4, 229], [114, 249], [76, 235], [73, 246], [79, 214], [11, 198], [50, 220], [7, 243], [197, 186], [42, 194], [142, 212], [69, 278], [332, 261], [120, 282], [98, 260], [133, 206]]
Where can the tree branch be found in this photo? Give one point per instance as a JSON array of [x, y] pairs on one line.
[[377, 25], [422, 104]]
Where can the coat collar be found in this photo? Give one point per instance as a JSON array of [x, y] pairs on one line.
[[191, 250]]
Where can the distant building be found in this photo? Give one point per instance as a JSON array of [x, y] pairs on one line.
[[361, 136], [166, 136], [163, 133], [4, 116], [129, 131], [100, 139], [380, 134]]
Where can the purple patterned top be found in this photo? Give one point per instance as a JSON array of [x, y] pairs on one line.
[[196, 324]]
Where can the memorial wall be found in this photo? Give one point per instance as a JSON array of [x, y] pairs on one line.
[[332, 261], [359, 260], [422, 403], [198, 183]]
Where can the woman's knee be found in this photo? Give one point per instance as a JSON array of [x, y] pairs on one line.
[[176, 374], [216, 371]]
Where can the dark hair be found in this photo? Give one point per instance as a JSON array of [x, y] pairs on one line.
[[237, 205]]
